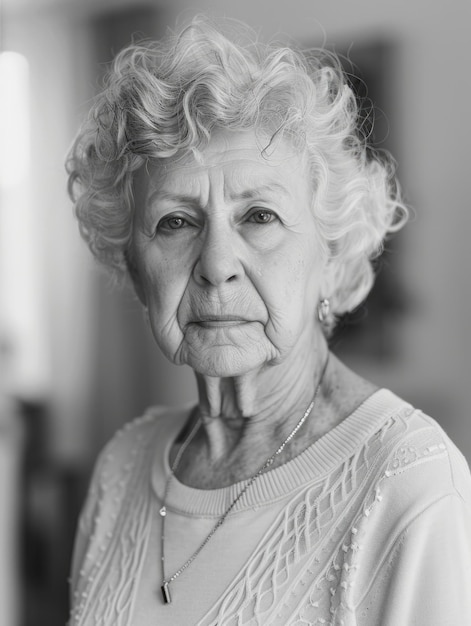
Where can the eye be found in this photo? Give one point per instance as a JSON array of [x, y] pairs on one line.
[[262, 216], [175, 222]]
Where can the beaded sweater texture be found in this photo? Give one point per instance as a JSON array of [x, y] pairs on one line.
[[370, 526]]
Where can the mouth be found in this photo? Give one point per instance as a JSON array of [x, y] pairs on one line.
[[219, 321]]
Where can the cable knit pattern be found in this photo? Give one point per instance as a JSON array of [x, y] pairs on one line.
[[116, 539], [328, 536]]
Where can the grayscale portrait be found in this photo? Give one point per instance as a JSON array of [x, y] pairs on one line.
[[250, 405]]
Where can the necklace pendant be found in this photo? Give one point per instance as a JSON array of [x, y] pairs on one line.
[[163, 511], [166, 593]]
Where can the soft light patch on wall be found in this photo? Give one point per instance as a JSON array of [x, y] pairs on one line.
[[23, 354], [14, 119]]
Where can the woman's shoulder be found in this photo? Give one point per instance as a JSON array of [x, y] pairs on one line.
[[135, 440], [416, 449], [128, 450]]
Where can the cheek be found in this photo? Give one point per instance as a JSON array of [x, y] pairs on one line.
[[164, 282], [291, 278]]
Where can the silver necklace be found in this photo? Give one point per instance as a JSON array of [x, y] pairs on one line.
[[165, 587]]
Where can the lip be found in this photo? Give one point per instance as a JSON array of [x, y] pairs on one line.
[[217, 321]]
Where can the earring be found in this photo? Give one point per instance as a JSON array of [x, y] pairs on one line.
[[323, 310]]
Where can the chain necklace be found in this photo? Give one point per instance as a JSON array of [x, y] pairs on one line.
[[165, 587]]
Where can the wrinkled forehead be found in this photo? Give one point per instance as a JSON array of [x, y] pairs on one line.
[[244, 159]]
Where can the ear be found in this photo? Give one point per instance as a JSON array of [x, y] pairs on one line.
[[135, 277]]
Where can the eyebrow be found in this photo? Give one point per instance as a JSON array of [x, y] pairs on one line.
[[174, 197], [246, 194], [250, 194]]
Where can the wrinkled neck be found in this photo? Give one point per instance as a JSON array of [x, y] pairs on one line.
[[260, 408]]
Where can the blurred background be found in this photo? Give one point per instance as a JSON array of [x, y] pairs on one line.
[[76, 360]]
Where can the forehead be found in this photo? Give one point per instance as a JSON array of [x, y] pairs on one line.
[[244, 159]]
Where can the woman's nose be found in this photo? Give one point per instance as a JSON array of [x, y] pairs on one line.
[[218, 262]]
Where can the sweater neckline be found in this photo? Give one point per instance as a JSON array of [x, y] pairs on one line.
[[311, 465]]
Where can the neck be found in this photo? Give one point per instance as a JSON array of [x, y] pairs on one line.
[[258, 410]]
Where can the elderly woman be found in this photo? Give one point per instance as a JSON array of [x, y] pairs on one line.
[[230, 181]]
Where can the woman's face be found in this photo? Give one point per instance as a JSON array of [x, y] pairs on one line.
[[227, 256]]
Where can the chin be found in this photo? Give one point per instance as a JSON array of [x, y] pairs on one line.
[[225, 361], [226, 352]]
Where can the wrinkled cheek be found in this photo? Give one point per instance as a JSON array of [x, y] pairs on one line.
[[165, 283], [164, 299], [167, 335], [290, 308]]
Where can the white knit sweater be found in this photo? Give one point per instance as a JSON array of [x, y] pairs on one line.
[[371, 525]]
